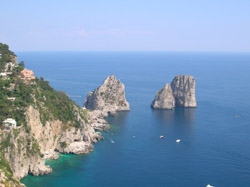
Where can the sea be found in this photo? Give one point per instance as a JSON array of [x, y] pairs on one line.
[[215, 136]]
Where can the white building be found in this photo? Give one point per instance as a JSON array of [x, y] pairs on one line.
[[3, 74], [11, 98], [9, 123], [10, 66]]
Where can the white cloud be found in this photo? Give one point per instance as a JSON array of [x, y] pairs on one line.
[[113, 32], [85, 33]]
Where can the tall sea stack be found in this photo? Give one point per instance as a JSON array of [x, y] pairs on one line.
[[183, 88], [110, 96], [180, 93]]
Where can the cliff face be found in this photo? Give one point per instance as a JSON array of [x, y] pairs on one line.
[[183, 87], [22, 153], [54, 135], [164, 98], [110, 96], [26, 151], [6, 180], [47, 122], [180, 93]]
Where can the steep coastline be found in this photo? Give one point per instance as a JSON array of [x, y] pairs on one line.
[[48, 123], [25, 152]]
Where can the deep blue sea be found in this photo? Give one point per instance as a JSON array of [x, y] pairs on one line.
[[215, 136]]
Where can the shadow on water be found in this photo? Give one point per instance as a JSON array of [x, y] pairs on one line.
[[119, 118], [179, 115], [176, 123]]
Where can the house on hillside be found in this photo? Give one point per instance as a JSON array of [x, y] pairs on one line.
[[10, 66], [11, 98], [9, 123], [27, 75], [3, 74]]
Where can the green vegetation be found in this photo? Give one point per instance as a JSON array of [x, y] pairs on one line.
[[63, 145], [16, 95], [14, 109], [6, 55], [55, 105], [52, 104]]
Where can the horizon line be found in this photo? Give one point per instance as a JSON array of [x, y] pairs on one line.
[[161, 51]]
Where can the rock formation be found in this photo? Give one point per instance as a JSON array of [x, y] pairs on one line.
[[49, 123], [26, 153], [110, 97], [183, 87], [180, 93], [164, 98]]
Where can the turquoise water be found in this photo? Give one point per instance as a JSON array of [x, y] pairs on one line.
[[215, 141]]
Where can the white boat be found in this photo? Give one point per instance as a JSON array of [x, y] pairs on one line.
[[112, 141], [178, 140], [209, 185], [161, 137]]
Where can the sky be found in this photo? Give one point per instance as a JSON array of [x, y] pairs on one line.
[[126, 25]]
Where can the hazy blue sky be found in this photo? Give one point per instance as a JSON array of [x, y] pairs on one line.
[[165, 25]]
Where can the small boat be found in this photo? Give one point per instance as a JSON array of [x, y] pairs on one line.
[[133, 136], [178, 140], [161, 137], [112, 141], [209, 185]]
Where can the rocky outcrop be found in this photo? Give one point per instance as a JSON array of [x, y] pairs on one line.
[[183, 87], [27, 148], [6, 180], [22, 153], [49, 123], [164, 98], [54, 135], [110, 96], [181, 93]]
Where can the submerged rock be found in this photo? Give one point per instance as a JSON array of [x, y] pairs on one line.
[[181, 92], [110, 97], [164, 98], [183, 87]]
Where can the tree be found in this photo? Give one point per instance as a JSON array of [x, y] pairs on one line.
[[22, 64]]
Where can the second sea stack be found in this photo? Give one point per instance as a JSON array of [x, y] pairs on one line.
[[110, 96], [180, 93], [183, 88]]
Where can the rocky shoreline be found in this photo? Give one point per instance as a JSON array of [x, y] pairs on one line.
[[78, 141], [98, 123], [29, 147]]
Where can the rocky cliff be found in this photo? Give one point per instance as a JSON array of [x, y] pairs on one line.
[[183, 87], [26, 151], [21, 151], [48, 122], [181, 92], [164, 98], [55, 136], [110, 96]]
